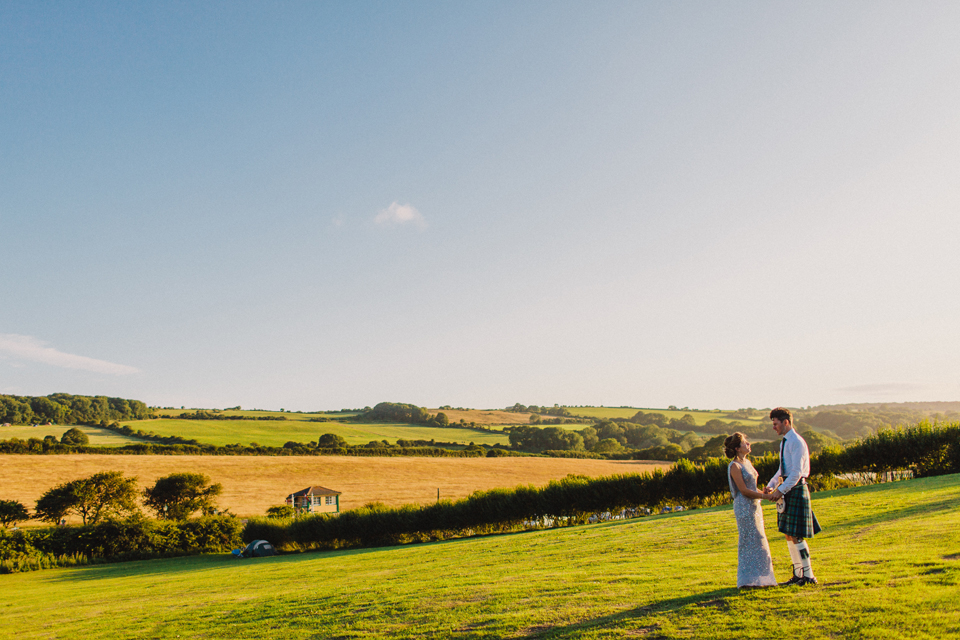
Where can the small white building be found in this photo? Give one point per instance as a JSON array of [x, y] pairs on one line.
[[315, 500]]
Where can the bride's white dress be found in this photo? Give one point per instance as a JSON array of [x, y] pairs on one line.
[[754, 566]]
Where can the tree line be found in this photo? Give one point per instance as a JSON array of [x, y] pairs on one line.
[[64, 408]]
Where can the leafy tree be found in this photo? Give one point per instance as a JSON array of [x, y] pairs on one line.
[[100, 496], [180, 495], [281, 511], [608, 445], [75, 437], [56, 503], [332, 441], [12, 512], [441, 419]]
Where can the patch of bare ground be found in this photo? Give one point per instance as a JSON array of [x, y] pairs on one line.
[[251, 484]]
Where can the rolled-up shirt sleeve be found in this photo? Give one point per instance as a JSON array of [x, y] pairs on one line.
[[797, 459], [776, 477]]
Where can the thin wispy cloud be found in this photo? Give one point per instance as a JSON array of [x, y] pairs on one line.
[[34, 350], [882, 389], [400, 214]]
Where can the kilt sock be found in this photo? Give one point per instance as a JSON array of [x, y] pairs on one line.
[[804, 552], [795, 558]]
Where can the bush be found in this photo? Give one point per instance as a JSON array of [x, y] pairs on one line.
[[134, 538], [75, 437]]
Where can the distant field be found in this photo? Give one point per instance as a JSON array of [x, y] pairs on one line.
[[98, 437], [251, 484], [701, 417], [290, 415], [485, 417], [275, 433]]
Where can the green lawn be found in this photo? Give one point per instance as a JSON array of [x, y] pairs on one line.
[[888, 563], [611, 413], [98, 437], [276, 433]]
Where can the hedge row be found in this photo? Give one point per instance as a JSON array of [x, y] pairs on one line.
[[132, 539], [924, 449]]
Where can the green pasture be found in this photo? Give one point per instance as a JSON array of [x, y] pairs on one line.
[[888, 562], [98, 437], [276, 433], [254, 413], [616, 413]]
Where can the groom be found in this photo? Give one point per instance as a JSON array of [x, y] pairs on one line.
[[794, 515]]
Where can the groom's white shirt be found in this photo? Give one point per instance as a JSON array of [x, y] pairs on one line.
[[797, 455]]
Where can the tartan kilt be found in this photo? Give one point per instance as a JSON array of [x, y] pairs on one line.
[[797, 519]]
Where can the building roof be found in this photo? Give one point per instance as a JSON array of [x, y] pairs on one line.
[[315, 490]]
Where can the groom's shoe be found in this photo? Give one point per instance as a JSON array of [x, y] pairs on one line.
[[795, 579]]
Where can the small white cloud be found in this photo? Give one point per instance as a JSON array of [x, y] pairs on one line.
[[400, 214], [338, 220], [29, 348]]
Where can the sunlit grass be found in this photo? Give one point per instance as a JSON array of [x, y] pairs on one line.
[[888, 562]]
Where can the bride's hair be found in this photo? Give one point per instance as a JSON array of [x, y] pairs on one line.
[[732, 443]]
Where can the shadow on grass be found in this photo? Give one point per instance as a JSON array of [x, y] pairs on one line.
[[717, 599]]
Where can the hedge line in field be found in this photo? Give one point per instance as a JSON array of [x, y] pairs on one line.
[[924, 449], [132, 539]]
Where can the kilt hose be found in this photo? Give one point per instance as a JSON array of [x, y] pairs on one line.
[[797, 519]]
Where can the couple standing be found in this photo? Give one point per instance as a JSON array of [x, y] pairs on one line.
[[788, 488]]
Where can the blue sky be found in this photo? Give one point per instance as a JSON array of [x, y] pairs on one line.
[[327, 205]]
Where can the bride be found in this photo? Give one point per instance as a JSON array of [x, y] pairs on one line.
[[754, 567]]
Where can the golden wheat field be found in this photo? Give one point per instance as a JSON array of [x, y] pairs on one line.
[[252, 484], [484, 416]]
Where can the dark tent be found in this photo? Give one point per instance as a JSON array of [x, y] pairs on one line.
[[258, 549]]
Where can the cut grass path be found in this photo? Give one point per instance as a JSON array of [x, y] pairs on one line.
[[888, 562], [251, 484]]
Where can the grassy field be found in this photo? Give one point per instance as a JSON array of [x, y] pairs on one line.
[[701, 417], [275, 433], [297, 428], [98, 437], [254, 413], [888, 563], [479, 416], [251, 484]]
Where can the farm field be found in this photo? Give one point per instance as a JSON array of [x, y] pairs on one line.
[[479, 416], [489, 417], [701, 417], [275, 433], [254, 413], [251, 484], [98, 437], [888, 562]]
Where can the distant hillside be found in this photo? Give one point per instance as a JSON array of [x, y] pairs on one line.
[[923, 407]]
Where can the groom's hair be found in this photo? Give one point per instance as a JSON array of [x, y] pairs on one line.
[[781, 413]]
